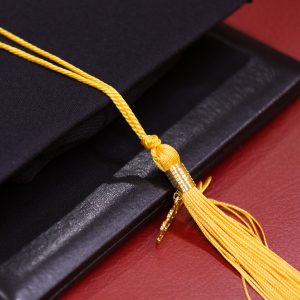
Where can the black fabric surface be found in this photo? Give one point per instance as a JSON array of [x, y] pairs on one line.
[[28, 210], [125, 43]]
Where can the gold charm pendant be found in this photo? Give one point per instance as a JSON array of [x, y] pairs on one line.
[[185, 182], [170, 216]]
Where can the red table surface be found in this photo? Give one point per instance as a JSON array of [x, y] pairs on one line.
[[262, 176]]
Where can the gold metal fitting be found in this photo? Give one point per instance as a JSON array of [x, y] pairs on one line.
[[180, 178], [182, 182]]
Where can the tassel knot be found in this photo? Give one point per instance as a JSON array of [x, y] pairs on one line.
[[151, 141], [164, 156]]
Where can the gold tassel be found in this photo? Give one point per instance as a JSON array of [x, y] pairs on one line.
[[241, 242], [239, 239]]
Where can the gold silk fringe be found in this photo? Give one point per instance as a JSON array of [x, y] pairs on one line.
[[243, 245], [240, 239]]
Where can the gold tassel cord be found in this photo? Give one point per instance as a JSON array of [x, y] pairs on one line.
[[235, 234]]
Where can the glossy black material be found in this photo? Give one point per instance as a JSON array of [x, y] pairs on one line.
[[218, 93]]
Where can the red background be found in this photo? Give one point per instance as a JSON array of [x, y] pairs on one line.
[[262, 176]]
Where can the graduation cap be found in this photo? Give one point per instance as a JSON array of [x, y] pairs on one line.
[[45, 113]]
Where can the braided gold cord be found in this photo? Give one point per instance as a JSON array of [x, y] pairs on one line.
[[73, 72], [163, 155]]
